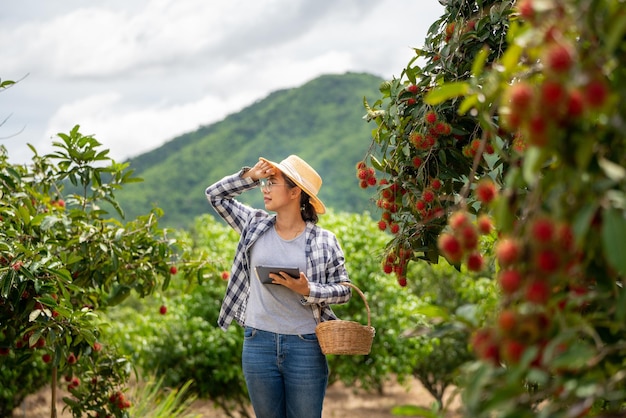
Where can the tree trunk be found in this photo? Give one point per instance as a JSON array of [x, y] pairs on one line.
[[53, 389]]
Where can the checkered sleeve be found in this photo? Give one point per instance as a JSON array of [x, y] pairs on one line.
[[221, 195], [329, 272]]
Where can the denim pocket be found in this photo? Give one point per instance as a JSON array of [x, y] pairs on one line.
[[249, 333], [308, 337]]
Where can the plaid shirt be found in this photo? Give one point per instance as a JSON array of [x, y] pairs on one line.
[[324, 256]]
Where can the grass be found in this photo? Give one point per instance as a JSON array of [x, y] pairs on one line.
[[152, 400]]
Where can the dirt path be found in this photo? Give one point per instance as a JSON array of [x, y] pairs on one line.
[[341, 402]]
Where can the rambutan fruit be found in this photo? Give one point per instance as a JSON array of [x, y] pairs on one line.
[[450, 247], [486, 191], [507, 251], [510, 281]]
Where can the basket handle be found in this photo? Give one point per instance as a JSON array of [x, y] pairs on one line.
[[367, 307]]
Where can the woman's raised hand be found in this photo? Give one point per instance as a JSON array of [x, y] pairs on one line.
[[261, 170]]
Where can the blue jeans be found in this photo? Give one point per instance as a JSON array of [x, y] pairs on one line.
[[286, 375]]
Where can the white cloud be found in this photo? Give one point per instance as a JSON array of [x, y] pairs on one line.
[[130, 131], [137, 74]]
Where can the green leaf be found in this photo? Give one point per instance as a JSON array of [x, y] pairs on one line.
[[49, 221], [24, 214], [375, 163], [584, 152], [70, 401], [119, 294], [87, 335], [616, 34], [468, 104], [613, 233], [200, 276], [613, 171], [479, 61], [413, 411], [583, 219], [576, 357], [468, 313], [34, 315], [432, 255], [511, 58], [6, 280], [446, 92], [28, 274], [433, 311], [533, 161], [503, 214], [166, 282], [6, 83]]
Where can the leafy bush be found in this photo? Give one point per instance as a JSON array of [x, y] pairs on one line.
[[453, 301], [182, 342], [64, 261], [20, 375], [392, 308], [408, 341]]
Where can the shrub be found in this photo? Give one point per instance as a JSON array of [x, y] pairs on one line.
[[184, 344], [64, 261], [20, 375]]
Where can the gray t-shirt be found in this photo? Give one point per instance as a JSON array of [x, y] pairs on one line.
[[272, 307]]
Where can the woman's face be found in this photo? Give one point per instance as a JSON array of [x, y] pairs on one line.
[[277, 194]]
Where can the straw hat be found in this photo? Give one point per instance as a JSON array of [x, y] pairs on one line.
[[304, 176]]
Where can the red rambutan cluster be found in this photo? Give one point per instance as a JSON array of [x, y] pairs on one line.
[[396, 262], [366, 175], [540, 271], [422, 142], [427, 136], [390, 196], [567, 92], [461, 242], [473, 148], [428, 205], [538, 261]]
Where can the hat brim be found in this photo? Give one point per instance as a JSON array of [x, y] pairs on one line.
[[317, 204]]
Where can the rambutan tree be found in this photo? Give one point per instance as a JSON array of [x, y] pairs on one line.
[[63, 260], [531, 91], [425, 153]]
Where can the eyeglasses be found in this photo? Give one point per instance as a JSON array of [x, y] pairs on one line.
[[266, 185]]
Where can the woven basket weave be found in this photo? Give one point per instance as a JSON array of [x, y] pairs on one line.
[[346, 337]]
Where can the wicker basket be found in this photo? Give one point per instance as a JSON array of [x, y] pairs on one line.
[[346, 337]]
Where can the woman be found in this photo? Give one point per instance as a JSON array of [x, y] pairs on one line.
[[285, 370]]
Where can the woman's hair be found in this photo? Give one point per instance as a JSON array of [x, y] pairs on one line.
[[306, 208]]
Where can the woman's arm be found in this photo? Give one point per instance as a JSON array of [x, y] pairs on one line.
[[222, 194], [331, 267]]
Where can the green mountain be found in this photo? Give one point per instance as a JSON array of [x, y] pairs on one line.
[[321, 121]]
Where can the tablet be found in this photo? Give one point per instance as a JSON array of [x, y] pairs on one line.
[[263, 272]]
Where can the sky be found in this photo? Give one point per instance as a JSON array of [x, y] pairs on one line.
[[135, 74]]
